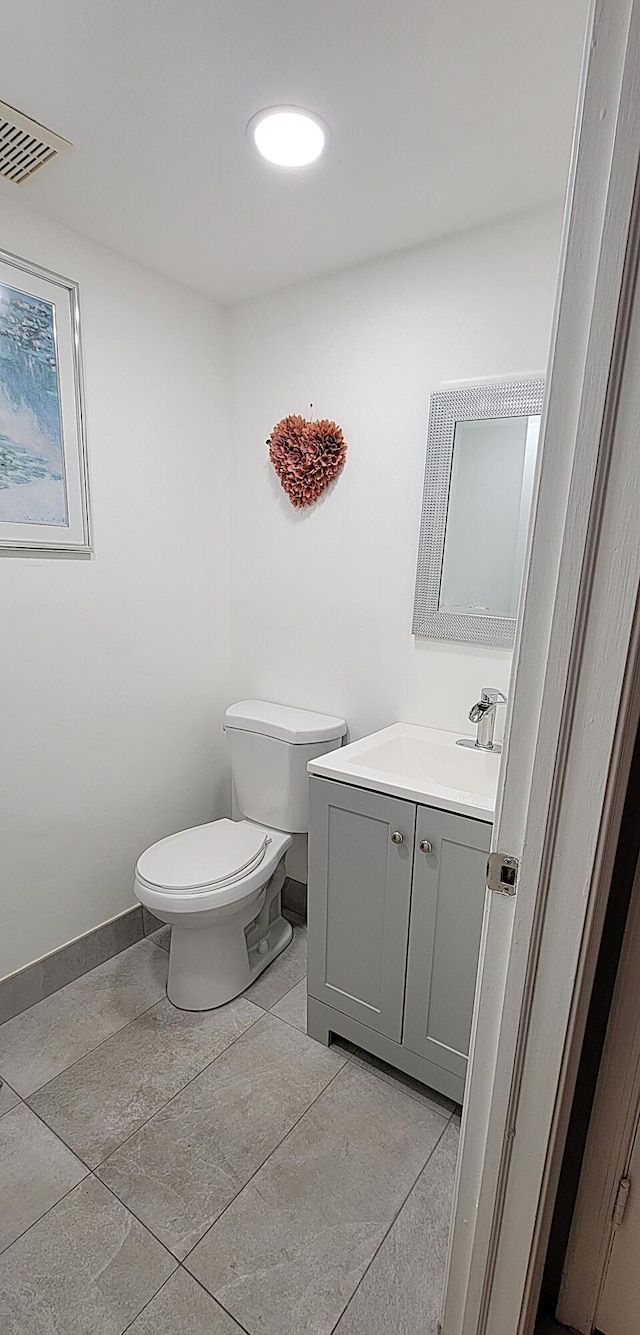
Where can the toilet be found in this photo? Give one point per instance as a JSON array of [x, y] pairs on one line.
[[219, 885]]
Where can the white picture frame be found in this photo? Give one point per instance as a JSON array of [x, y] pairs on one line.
[[44, 490]]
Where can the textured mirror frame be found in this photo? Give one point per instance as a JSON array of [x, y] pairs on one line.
[[506, 398]]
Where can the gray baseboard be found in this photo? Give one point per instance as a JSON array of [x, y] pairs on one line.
[[38, 980], [294, 897], [149, 921]]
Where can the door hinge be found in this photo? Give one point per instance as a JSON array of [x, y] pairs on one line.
[[502, 873], [622, 1197]]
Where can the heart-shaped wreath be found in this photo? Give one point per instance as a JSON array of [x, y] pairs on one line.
[[307, 456]]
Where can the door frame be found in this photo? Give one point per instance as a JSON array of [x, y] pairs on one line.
[[614, 1120], [575, 706]]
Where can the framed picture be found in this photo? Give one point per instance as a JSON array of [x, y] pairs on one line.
[[44, 498]]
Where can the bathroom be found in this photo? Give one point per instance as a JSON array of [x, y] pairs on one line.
[[219, 293]]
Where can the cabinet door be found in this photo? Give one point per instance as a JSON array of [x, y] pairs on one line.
[[447, 906], [358, 903]]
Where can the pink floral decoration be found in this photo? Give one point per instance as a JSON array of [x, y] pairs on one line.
[[307, 456]]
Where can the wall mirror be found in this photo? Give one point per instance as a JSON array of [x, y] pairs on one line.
[[478, 487]]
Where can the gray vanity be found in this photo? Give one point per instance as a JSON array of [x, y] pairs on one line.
[[400, 830]]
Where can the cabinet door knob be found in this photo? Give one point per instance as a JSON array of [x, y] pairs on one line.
[[425, 846], [397, 837]]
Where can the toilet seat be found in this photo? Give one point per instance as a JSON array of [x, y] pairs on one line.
[[204, 857], [210, 866]]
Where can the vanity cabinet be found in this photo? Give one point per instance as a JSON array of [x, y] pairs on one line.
[[360, 889], [396, 901]]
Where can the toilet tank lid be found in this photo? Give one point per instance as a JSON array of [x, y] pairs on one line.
[[296, 726]]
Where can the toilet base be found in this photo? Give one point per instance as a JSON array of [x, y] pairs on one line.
[[210, 966]]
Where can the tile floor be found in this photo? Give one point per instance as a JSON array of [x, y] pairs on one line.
[[164, 1172]]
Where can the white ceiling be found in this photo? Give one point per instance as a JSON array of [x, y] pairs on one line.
[[444, 114]]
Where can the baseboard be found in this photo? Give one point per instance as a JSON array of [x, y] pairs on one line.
[[149, 921], [294, 898], [38, 980]]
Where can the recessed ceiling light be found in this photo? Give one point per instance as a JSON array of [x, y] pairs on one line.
[[288, 136]]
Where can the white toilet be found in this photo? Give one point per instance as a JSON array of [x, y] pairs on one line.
[[219, 885]]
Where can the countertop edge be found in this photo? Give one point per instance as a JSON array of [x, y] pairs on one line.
[[421, 797]]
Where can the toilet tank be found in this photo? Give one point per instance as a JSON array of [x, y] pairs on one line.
[[270, 746]]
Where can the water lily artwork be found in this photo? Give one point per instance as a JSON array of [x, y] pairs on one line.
[[32, 487], [43, 492]]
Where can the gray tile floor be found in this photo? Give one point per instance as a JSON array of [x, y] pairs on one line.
[[163, 1172]]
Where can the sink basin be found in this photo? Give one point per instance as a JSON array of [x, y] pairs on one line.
[[422, 764]]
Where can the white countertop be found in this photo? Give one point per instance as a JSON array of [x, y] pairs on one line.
[[421, 764]]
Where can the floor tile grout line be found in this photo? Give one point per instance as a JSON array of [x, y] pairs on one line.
[[290, 1025], [138, 1016], [397, 1085], [216, 1300], [423, 1100], [432, 1151], [25, 1097], [262, 1165], [57, 1136], [388, 1080], [275, 1003], [32, 1094], [393, 1221], [200, 1286], [360, 1062], [119, 954], [91, 1171], [23, 1234], [149, 1301], [176, 1094], [180, 1260], [179, 1264], [129, 1209], [13, 1105], [93, 1168]]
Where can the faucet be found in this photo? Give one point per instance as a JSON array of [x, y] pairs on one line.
[[484, 714]]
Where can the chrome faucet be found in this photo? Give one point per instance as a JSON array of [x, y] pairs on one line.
[[484, 714]]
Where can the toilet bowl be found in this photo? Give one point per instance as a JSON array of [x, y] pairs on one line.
[[219, 885], [210, 883]]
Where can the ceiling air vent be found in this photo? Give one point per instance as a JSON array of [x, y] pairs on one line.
[[25, 146]]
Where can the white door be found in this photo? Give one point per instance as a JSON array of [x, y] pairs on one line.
[[619, 1306], [575, 704]]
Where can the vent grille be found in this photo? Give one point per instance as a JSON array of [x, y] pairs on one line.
[[25, 146]]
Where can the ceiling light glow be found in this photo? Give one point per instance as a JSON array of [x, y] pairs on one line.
[[288, 136]]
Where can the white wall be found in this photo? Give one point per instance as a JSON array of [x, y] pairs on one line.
[[114, 671], [322, 599]]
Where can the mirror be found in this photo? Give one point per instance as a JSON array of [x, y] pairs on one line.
[[478, 488]]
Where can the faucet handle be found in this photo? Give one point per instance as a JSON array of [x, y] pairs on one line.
[[490, 695]]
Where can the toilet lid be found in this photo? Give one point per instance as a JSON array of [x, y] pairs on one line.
[[206, 856]]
